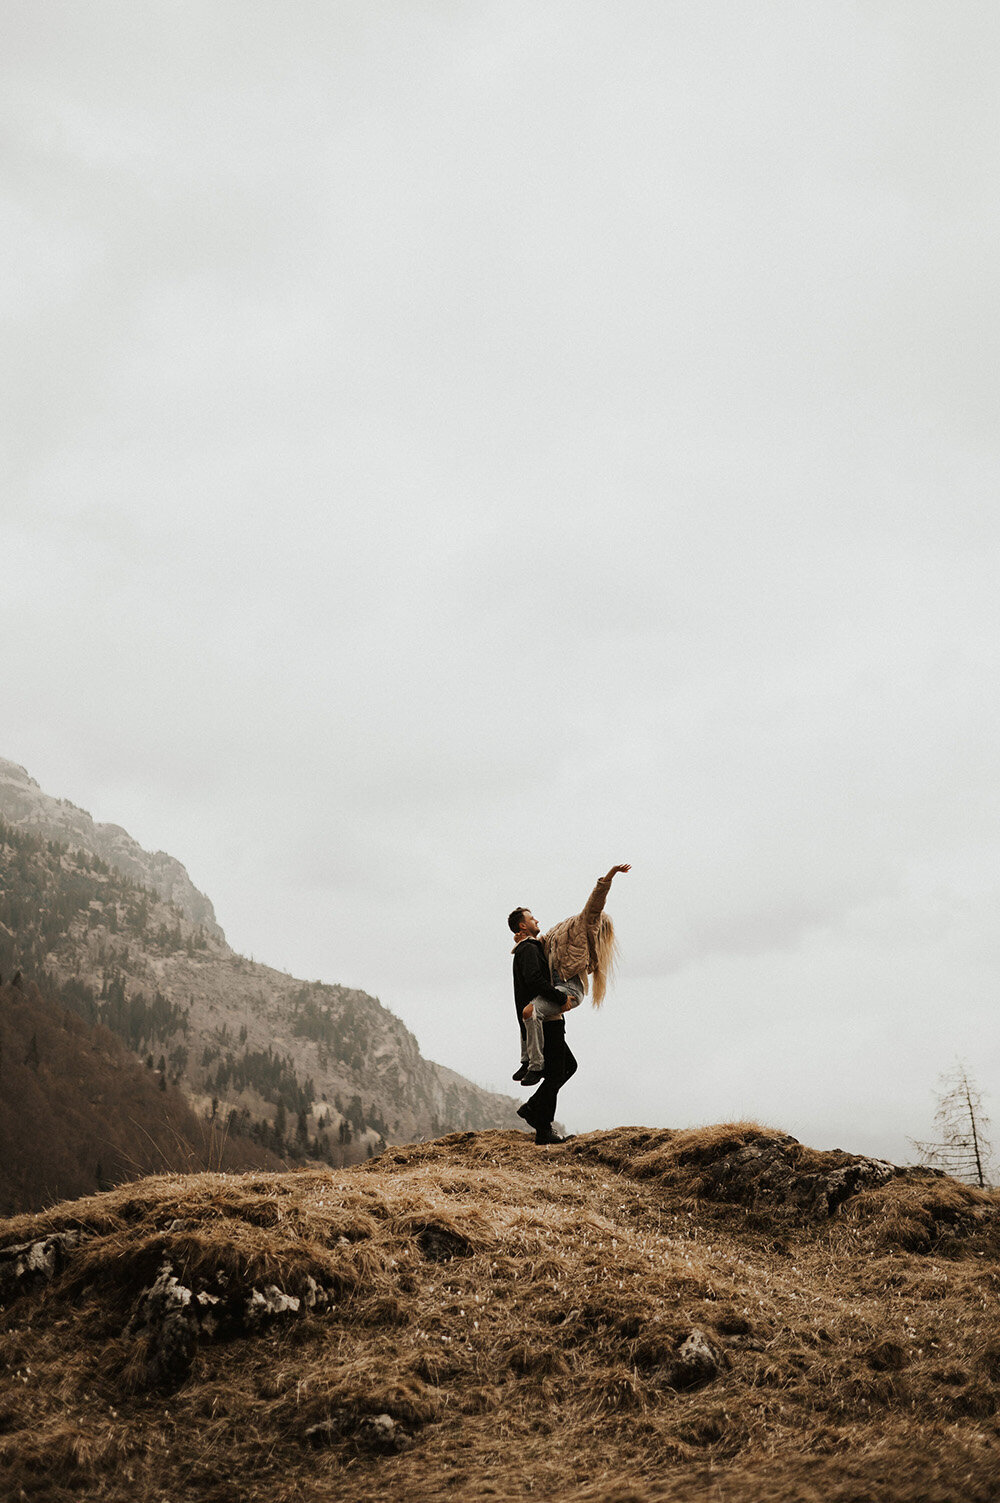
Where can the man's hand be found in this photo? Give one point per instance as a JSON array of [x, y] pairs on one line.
[[529, 1011], [616, 869]]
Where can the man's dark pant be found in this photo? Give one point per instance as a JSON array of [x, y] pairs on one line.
[[540, 1108]]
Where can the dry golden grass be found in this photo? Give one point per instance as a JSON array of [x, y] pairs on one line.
[[518, 1314]]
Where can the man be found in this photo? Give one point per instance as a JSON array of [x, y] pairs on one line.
[[533, 980]]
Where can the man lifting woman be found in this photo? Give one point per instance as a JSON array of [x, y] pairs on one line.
[[552, 975]]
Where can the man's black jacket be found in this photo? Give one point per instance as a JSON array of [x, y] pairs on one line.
[[531, 975]]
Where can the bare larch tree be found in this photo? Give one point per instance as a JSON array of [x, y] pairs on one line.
[[963, 1148]]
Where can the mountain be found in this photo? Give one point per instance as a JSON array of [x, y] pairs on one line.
[[126, 940], [634, 1317], [24, 806], [77, 1113]]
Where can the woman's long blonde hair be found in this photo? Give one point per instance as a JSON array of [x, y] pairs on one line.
[[607, 958]]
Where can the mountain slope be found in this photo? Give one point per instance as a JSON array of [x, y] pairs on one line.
[[634, 1316], [77, 1113], [325, 1064]]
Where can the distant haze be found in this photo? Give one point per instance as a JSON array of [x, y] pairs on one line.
[[450, 449]]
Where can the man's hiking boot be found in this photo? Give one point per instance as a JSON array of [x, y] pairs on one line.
[[545, 1136], [531, 1077], [520, 1072]]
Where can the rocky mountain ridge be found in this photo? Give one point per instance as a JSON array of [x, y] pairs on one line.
[[24, 806], [247, 1043]]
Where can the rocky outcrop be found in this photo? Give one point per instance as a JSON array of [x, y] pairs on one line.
[[742, 1164], [171, 1318], [378, 1433], [777, 1171], [24, 806], [785, 1185], [30, 1263], [698, 1361]]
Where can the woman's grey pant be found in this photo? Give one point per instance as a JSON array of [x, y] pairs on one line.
[[532, 1038]]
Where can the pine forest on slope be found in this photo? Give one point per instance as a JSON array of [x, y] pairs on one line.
[[78, 1113]]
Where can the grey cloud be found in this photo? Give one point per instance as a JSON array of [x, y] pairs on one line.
[[453, 449]]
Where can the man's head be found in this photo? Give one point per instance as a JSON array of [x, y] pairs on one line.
[[523, 923]]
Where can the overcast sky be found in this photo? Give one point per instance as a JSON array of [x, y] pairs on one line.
[[453, 447]]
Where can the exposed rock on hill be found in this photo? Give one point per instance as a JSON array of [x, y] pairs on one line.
[[476, 1317], [751, 1167], [24, 806], [786, 1183]]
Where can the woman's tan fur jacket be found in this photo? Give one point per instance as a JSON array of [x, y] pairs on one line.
[[584, 945]]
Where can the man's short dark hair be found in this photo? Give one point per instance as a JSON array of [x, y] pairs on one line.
[[514, 920]]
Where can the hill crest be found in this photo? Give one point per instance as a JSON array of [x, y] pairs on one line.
[[623, 1318]]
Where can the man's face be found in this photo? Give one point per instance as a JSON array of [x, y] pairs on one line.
[[529, 925]]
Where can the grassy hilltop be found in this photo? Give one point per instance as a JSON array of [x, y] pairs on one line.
[[716, 1314]]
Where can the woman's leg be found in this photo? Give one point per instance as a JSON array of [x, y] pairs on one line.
[[535, 1043]]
